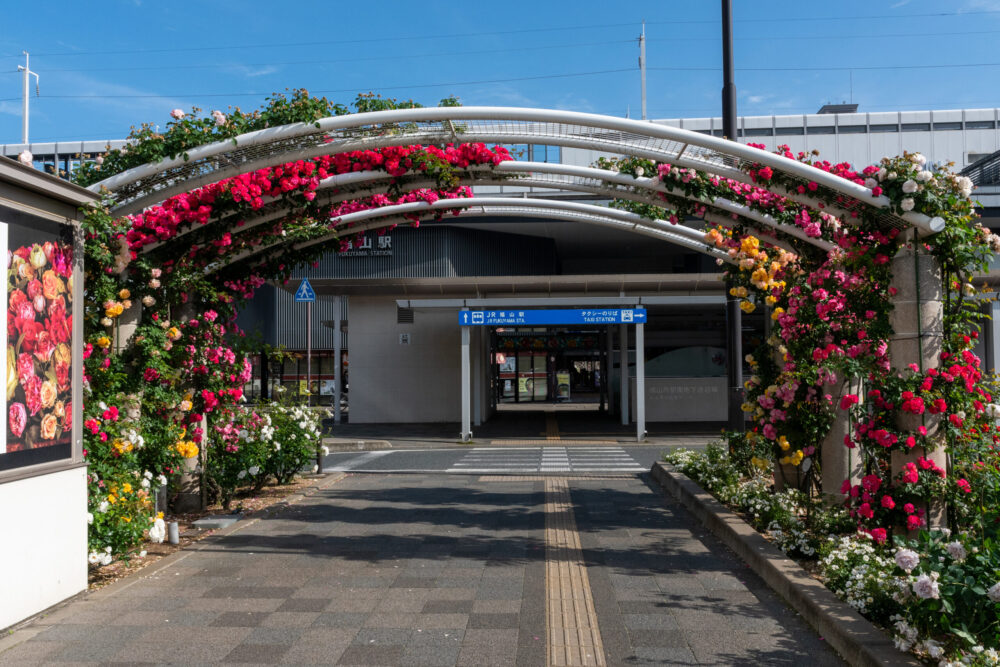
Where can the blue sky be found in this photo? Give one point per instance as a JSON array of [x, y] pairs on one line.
[[108, 64]]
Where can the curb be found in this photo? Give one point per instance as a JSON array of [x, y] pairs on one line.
[[30, 627], [854, 637]]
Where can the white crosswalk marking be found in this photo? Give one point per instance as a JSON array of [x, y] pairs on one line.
[[511, 460]]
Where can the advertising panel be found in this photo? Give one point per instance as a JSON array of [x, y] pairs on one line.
[[37, 401]]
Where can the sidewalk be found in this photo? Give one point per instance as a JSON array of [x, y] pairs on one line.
[[440, 570]]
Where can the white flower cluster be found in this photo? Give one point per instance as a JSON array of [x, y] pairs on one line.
[[100, 557], [993, 593], [856, 572], [158, 531], [793, 540]]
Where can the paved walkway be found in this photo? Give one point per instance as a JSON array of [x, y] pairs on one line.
[[441, 570]]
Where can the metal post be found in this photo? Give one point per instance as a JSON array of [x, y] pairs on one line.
[[466, 387], [642, 67], [24, 101], [623, 367], [477, 385], [337, 345], [640, 382], [609, 352], [309, 352], [734, 317]]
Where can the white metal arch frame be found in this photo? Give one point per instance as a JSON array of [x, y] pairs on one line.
[[485, 206], [147, 184], [556, 177]]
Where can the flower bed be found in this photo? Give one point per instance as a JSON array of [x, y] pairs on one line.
[[938, 594]]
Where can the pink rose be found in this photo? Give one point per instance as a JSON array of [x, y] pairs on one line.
[[17, 418]]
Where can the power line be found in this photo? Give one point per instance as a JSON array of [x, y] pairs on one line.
[[770, 20], [842, 68], [350, 90], [339, 60]]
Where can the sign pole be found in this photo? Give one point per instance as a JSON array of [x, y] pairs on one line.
[[337, 344], [309, 351]]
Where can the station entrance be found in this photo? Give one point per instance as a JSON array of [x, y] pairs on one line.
[[552, 366]]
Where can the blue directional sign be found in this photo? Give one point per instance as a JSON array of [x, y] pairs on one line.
[[521, 317], [305, 292]]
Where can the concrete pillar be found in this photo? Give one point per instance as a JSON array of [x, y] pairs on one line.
[[478, 379], [918, 333], [126, 325], [839, 462], [623, 371], [337, 353]]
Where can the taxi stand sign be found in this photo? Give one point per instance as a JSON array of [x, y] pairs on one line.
[[517, 317], [305, 293]]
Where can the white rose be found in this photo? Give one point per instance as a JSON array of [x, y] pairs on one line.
[[148, 301], [177, 114], [93, 558], [926, 587], [106, 559], [639, 172], [253, 470], [994, 592], [870, 183], [956, 550], [907, 204], [924, 176], [25, 157], [103, 507], [907, 560], [917, 158], [158, 531], [881, 174], [910, 186], [90, 519], [144, 483]]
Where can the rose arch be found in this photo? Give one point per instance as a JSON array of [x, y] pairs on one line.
[[865, 275]]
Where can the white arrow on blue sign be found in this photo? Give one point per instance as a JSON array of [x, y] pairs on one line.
[[305, 292]]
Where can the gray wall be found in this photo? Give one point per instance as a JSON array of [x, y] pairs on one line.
[[393, 383]]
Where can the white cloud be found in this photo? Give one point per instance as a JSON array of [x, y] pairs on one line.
[[250, 72], [12, 108], [899, 4]]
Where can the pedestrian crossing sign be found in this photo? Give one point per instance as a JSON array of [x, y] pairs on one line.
[[305, 292]]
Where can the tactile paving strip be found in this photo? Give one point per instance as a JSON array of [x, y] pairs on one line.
[[574, 637]]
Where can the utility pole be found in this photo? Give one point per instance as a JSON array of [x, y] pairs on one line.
[[642, 66], [734, 317], [27, 74]]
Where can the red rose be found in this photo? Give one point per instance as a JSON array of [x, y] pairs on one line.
[[34, 288], [33, 394], [25, 367], [44, 346], [62, 376]]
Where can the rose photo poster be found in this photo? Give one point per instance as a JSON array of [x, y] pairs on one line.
[[39, 345]]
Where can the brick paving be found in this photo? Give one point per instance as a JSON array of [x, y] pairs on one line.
[[432, 570]]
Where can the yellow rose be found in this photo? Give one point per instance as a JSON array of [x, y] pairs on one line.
[[747, 307], [48, 394], [126, 488], [103, 341], [11, 372], [50, 423], [124, 294]]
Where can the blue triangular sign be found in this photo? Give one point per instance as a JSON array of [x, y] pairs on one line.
[[305, 291]]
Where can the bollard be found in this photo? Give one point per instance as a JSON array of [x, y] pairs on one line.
[[173, 533]]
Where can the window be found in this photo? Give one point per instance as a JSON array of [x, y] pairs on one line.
[[789, 131], [716, 133], [916, 127], [980, 125], [541, 153], [759, 132], [518, 151], [948, 126], [822, 129], [853, 129], [883, 127], [404, 315]]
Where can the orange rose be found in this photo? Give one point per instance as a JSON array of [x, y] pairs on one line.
[[52, 285], [49, 425]]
